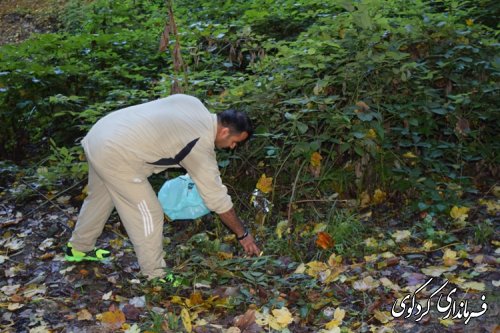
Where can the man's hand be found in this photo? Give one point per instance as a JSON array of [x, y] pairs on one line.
[[249, 246]]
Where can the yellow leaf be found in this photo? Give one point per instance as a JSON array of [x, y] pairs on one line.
[[281, 228], [479, 286], [224, 255], [371, 134], [368, 283], [186, 320], [446, 322], [265, 183], [469, 22], [338, 317], [428, 245], [449, 257], [113, 319], [409, 155], [364, 199], [300, 269], [261, 319], [436, 271], [459, 213], [492, 207], [283, 317], [334, 260], [383, 316], [315, 267], [379, 196], [316, 159], [401, 235], [371, 242]]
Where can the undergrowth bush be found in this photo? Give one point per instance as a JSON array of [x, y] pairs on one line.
[[398, 96]]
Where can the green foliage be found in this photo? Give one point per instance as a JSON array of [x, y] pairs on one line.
[[399, 95]]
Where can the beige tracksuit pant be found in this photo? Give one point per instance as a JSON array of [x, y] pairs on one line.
[[137, 206]]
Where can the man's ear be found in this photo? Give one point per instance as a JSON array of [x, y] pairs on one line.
[[225, 131]]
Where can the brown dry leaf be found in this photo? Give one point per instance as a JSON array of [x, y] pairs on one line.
[[246, 320], [362, 107], [324, 241], [112, 319], [195, 299], [84, 314]]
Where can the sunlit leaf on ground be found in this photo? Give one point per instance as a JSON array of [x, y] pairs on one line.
[[324, 240], [401, 235], [84, 314], [459, 213], [338, 317], [186, 320], [368, 283], [112, 319], [436, 271], [449, 258], [383, 316]]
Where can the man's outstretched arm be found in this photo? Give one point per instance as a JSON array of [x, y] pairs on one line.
[[231, 220]]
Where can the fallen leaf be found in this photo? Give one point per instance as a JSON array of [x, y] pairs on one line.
[[446, 322], [265, 184], [282, 318], [450, 257], [112, 319], [371, 134], [324, 240], [368, 283], [84, 314], [379, 196], [314, 268], [409, 155], [316, 159], [459, 213], [281, 228], [436, 271], [245, 320], [186, 320], [338, 317], [382, 316], [479, 286], [10, 290], [401, 235]]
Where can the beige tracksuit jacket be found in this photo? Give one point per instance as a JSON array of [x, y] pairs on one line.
[[128, 145]]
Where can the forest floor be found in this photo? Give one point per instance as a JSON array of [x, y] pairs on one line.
[[41, 292], [21, 18]]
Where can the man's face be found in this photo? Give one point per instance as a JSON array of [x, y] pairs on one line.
[[224, 138]]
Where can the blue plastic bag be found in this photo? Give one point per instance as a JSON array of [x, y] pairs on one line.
[[180, 199]]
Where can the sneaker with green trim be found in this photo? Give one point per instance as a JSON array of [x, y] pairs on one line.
[[170, 278], [77, 256]]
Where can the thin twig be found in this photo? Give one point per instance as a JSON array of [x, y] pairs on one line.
[[49, 200], [294, 187]]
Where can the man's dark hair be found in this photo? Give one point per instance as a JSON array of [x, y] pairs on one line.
[[237, 121]]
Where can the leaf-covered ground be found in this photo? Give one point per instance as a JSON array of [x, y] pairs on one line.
[[225, 292]]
